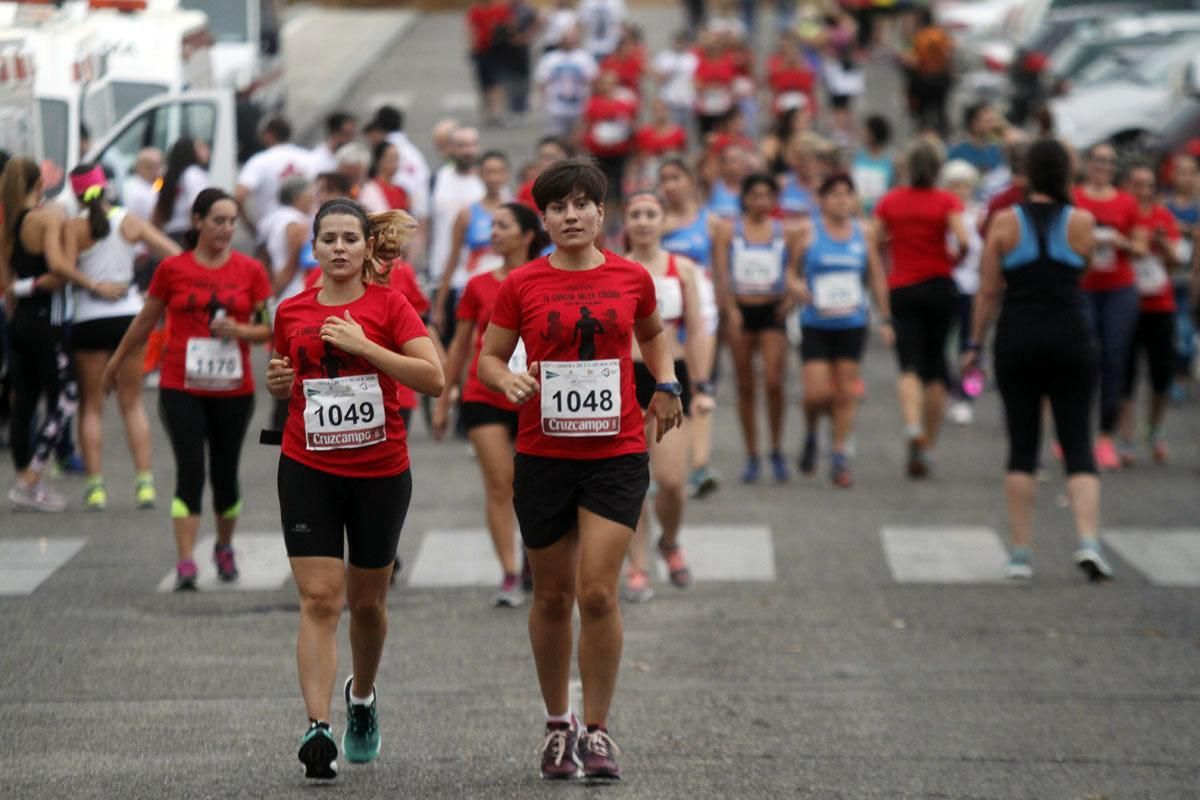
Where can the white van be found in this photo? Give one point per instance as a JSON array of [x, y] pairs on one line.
[[20, 129]]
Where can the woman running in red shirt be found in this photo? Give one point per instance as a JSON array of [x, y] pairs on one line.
[[489, 418], [608, 121], [342, 349], [581, 467], [215, 302]]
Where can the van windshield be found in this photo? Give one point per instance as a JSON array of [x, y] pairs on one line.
[[127, 95], [229, 20]]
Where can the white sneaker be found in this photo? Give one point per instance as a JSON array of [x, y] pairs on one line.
[[35, 498], [961, 413]]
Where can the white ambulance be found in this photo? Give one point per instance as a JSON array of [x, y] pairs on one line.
[[20, 131]]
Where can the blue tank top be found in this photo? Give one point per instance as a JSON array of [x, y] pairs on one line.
[[836, 272], [479, 228], [691, 240], [723, 202], [757, 269], [794, 199]]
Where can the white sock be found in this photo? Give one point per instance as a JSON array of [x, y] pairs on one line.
[[361, 701], [913, 431], [559, 717]]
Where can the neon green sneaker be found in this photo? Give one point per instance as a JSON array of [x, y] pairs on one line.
[[361, 740], [95, 498], [146, 495]]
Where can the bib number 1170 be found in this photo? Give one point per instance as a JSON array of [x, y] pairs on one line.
[[574, 401]]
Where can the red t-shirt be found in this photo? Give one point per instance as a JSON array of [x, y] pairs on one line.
[[1151, 272], [917, 228], [403, 279], [652, 142], [609, 122], [1111, 267], [545, 306], [482, 20], [1006, 199], [475, 306], [629, 69], [714, 84], [388, 320], [193, 294], [786, 80]]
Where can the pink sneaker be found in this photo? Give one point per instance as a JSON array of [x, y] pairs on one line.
[[677, 568], [637, 587], [1106, 455]]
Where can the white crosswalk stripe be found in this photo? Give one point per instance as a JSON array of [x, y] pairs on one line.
[[261, 560], [1165, 557], [944, 554], [26, 563]]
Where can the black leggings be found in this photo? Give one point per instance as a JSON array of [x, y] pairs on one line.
[[1155, 336], [1061, 367], [191, 420], [922, 315], [41, 368]]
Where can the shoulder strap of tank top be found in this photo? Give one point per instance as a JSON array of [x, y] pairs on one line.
[[672, 269]]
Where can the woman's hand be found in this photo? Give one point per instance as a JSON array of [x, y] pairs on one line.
[[225, 328], [887, 334], [668, 413], [108, 381], [345, 334], [440, 418], [702, 405], [969, 360], [280, 376], [108, 290], [522, 386]]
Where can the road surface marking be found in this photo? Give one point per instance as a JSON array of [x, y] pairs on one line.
[[944, 554], [26, 563], [401, 100], [460, 101], [1165, 557], [261, 561], [459, 557]]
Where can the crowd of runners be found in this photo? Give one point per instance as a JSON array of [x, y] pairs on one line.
[[689, 218]]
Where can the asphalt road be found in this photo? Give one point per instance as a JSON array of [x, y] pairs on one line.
[[805, 662]]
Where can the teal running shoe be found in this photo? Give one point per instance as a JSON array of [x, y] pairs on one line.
[[318, 752], [361, 740]]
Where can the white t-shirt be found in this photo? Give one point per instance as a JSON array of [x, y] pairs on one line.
[[966, 274], [277, 226], [192, 182], [139, 196], [677, 71], [323, 159], [558, 22], [452, 192], [566, 79], [413, 174], [264, 173], [600, 21]]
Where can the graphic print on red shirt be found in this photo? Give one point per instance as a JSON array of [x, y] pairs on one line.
[[1153, 280], [195, 295], [365, 437], [475, 306], [567, 319], [609, 126]]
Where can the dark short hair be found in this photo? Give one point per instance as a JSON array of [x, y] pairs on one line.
[[758, 179], [1016, 154], [373, 126], [833, 181], [557, 141], [1048, 167], [879, 128], [391, 118], [278, 127], [336, 183], [566, 178], [972, 112], [490, 154], [337, 120]]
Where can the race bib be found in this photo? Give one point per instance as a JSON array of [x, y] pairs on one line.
[[343, 413], [837, 294], [610, 132], [518, 361], [212, 365], [581, 398], [670, 298], [1152, 276], [715, 101], [1104, 257], [871, 183], [757, 271], [786, 101]]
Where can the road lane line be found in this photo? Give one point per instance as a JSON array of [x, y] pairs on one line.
[[944, 554], [261, 560], [26, 563]]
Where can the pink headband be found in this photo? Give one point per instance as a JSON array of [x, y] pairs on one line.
[[92, 178]]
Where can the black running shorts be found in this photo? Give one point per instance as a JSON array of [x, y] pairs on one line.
[[475, 414], [819, 344], [322, 513], [548, 493]]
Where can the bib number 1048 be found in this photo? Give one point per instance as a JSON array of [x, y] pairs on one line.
[[581, 398], [575, 401]]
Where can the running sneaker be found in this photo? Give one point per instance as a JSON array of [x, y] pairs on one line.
[[560, 757], [677, 568], [1106, 454], [750, 473], [637, 587], [71, 464], [808, 456], [95, 498], [318, 752], [37, 497], [702, 482], [1089, 559], [918, 459], [1127, 453], [598, 753], [361, 741], [961, 413], [509, 595], [1020, 564], [227, 569], [840, 472], [144, 493], [779, 468], [185, 575]]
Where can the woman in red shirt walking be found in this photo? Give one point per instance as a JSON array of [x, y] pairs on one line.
[[342, 351], [608, 120], [911, 226]]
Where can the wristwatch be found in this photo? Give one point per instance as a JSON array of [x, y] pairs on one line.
[[704, 387], [674, 388]]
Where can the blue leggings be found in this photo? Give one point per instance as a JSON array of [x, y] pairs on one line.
[[1113, 317]]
